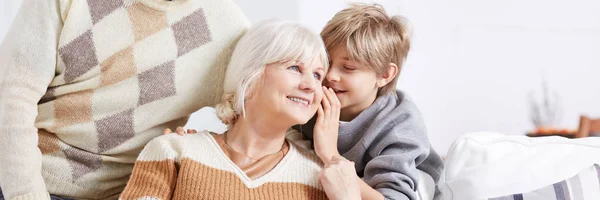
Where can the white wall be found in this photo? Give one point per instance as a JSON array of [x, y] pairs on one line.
[[472, 63], [257, 10]]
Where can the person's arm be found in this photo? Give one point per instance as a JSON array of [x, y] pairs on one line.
[[367, 192], [393, 173], [27, 61], [155, 172], [339, 179]]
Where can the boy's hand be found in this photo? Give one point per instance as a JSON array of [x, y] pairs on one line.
[[326, 127], [179, 131], [339, 179]]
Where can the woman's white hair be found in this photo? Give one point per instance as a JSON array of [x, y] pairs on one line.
[[267, 42]]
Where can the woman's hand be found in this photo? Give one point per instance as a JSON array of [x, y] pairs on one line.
[[326, 127], [339, 179], [179, 131]]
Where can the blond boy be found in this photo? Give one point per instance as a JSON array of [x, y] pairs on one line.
[[381, 129]]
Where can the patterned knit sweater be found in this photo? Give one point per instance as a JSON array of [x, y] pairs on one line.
[[194, 166], [86, 84]]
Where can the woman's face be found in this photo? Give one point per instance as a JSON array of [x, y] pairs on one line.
[[290, 91]]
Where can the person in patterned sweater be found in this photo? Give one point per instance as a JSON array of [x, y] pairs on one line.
[[273, 82], [86, 84]]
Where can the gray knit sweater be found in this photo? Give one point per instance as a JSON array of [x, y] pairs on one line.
[[388, 143]]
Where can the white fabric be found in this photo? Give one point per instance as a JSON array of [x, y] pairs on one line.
[[590, 184], [484, 164], [206, 119], [426, 187]]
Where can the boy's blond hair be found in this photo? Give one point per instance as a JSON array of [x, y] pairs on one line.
[[371, 37]]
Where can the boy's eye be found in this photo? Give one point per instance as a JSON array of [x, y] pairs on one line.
[[349, 68], [294, 67]]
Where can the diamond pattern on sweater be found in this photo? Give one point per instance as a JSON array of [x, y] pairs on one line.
[[82, 162], [73, 109], [128, 43], [47, 142], [48, 96], [191, 32], [157, 83], [115, 98], [118, 24], [118, 67], [155, 50], [146, 21], [100, 8], [79, 56], [114, 130]]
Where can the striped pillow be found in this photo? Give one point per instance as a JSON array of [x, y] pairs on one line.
[[583, 186]]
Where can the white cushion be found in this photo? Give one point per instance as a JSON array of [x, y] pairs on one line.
[[426, 187], [484, 164], [206, 119]]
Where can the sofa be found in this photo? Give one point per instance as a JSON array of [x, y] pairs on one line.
[[494, 166]]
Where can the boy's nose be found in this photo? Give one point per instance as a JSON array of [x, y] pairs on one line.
[[332, 76]]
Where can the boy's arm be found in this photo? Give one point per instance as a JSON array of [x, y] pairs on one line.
[[367, 192], [394, 171], [155, 172], [27, 65]]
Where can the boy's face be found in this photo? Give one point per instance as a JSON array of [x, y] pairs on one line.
[[355, 85]]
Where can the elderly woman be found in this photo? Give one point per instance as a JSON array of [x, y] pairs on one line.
[[273, 82]]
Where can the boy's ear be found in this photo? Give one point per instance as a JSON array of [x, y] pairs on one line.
[[392, 71]]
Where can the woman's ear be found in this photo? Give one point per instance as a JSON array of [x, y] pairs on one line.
[[391, 73]]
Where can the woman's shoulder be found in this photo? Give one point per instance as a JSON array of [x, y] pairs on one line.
[[173, 138], [180, 144], [304, 164], [305, 155]]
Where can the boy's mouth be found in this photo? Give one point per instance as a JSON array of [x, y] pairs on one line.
[[338, 91]]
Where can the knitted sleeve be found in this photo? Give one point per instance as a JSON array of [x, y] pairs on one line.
[[155, 172], [27, 65]]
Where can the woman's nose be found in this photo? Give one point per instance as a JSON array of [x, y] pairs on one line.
[[309, 84]]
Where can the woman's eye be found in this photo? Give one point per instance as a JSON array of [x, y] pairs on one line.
[[317, 76], [294, 67]]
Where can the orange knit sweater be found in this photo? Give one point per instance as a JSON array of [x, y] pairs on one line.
[[195, 167]]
